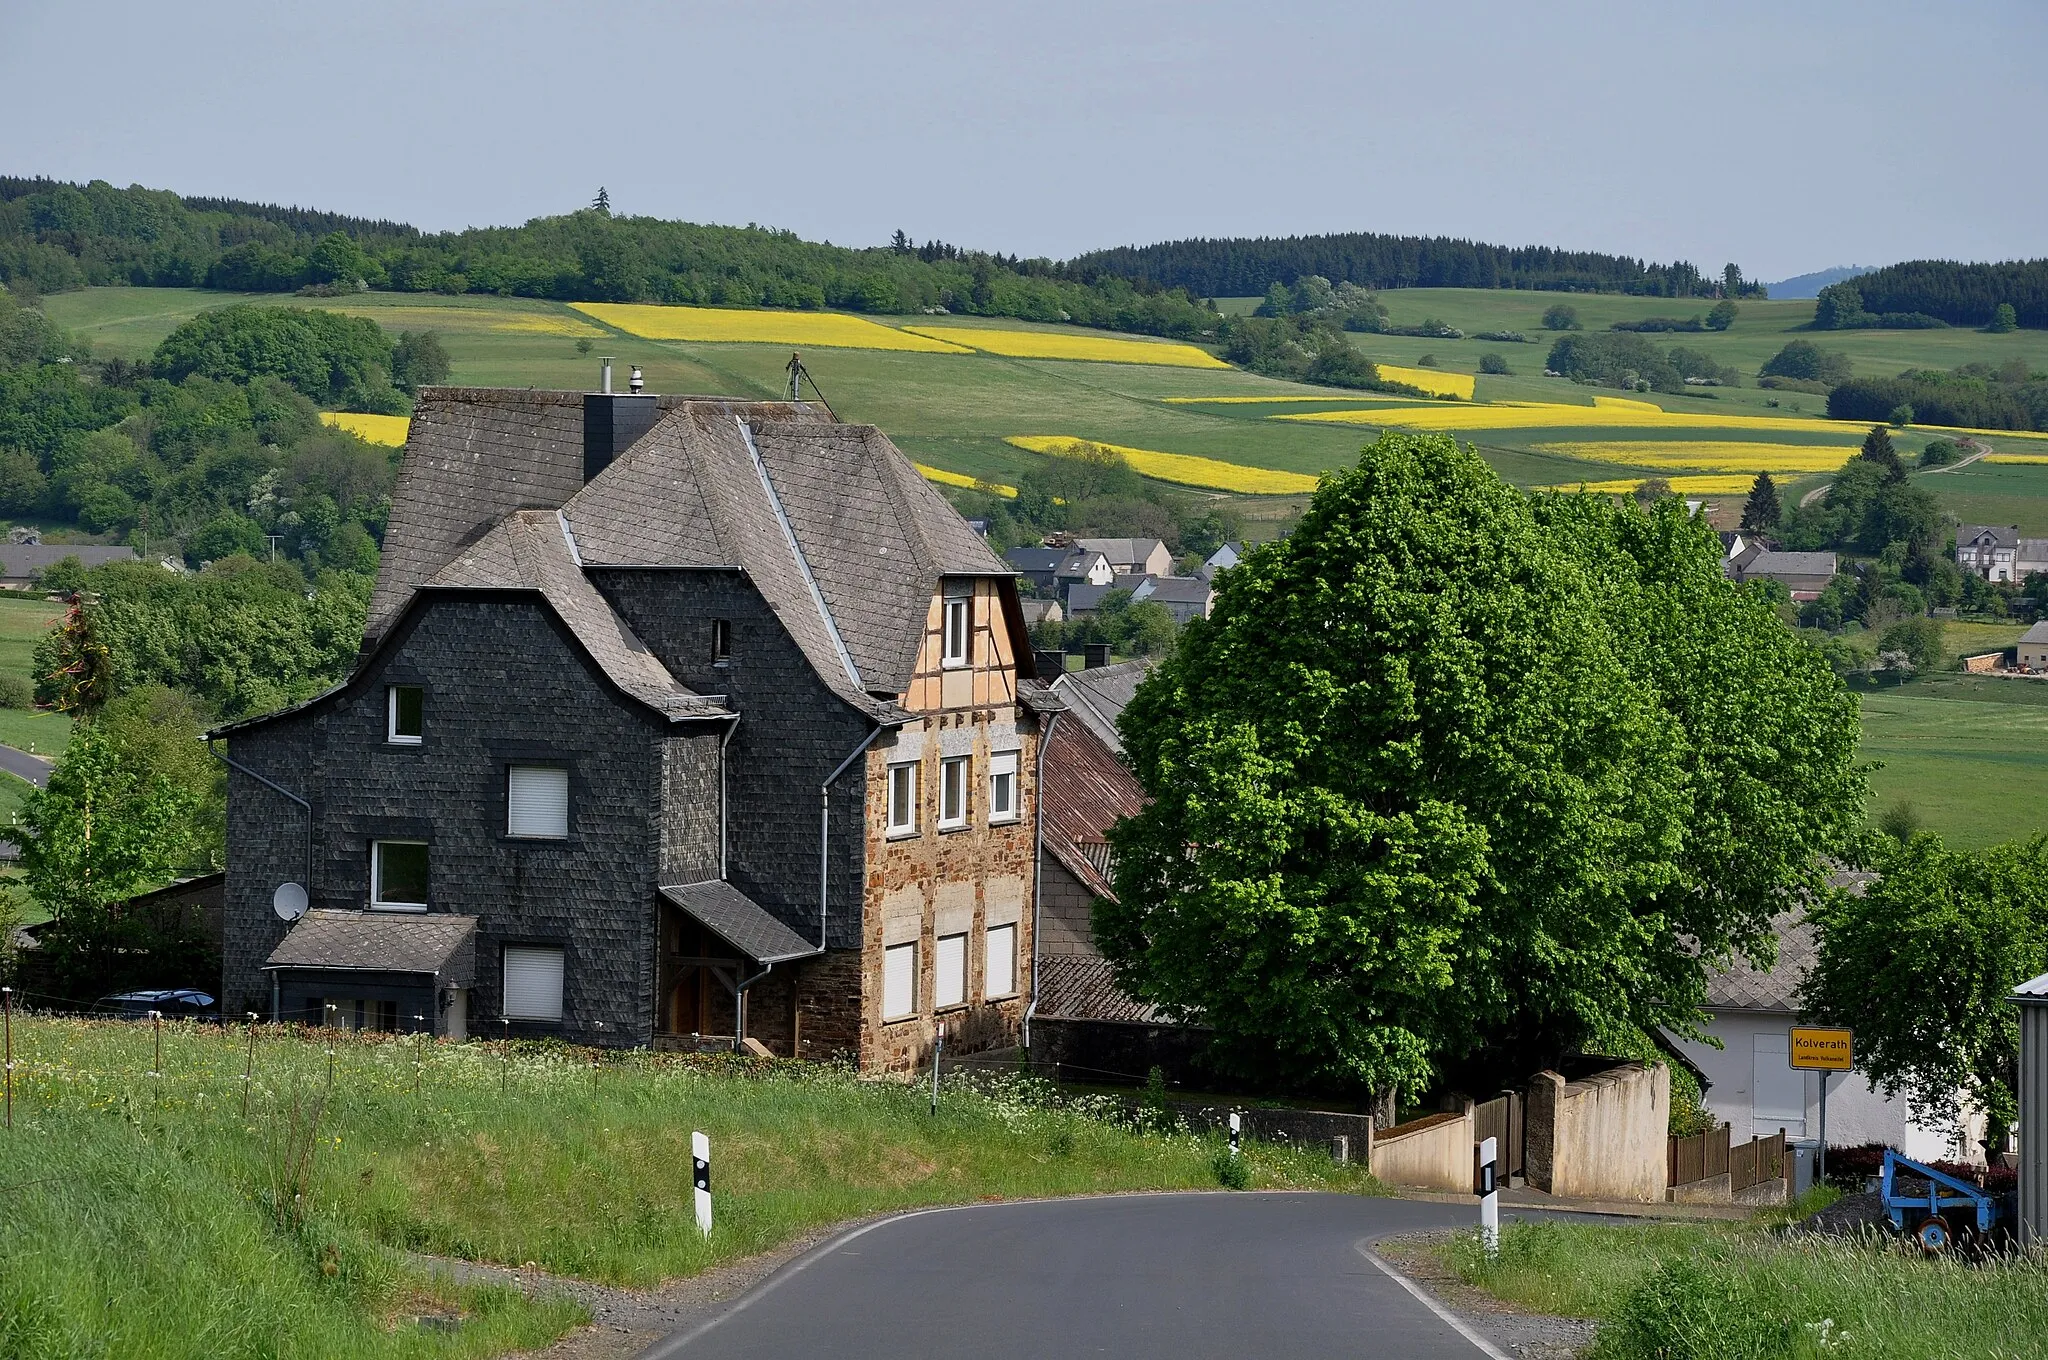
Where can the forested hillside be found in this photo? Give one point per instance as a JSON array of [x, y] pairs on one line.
[[1240, 267], [56, 236], [1960, 294]]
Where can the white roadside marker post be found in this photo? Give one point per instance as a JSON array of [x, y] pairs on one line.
[[1488, 1188], [700, 1177], [937, 1053], [1236, 1131]]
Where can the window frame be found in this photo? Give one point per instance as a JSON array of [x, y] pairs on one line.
[[721, 641], [940, 948], [377, 902], [1002, 768], [568, 800], [960, 607], [505, 953], [893, 828], [392, 736], [956, 775], [889, 1016], [988, 956]]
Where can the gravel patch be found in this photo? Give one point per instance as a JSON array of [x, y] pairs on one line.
[[1526, 1335], [1850, 1216]]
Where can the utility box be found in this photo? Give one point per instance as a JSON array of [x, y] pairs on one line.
[[2032, 999]]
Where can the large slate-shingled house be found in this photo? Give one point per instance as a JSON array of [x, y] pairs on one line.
[[674, 717]]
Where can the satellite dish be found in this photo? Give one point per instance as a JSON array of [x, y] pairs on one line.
[[289, 901]]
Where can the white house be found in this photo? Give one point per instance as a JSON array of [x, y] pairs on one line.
[[1753, 1087]]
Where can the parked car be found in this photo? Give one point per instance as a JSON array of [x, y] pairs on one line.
[[173, 1002]]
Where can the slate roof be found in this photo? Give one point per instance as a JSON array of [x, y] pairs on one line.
[[2037, 634], [382, 942], [1098, 696], [20, 561], [1085, 791], [529, 550], [1035, 559], [1176, 589], [1746, 987], [1781, 564], [1989, 535], [1120, 551], [740, 921], [1083, 987]]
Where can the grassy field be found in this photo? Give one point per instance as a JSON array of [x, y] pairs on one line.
[[147, 1217], [1970, 754], [1686, 1291]]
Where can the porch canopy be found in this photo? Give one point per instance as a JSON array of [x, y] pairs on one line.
[[376, 970], [739, 921]]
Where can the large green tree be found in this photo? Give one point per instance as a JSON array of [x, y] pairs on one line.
[[1452, 776], [106, 827], [1921, 963]]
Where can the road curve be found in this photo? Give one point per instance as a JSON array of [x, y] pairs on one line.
[[34, 769], [1175, 1276]]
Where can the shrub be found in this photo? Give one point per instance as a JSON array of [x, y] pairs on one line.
[[1808, 362], [1939, 453], [1493, 363], [1426, 361], [1901, 416], [16, 691], [1560, 316], [2004, 319], [1231, 1171]]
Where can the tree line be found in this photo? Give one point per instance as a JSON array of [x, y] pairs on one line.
[[56, 236], [1960, 294], [1247, 267]]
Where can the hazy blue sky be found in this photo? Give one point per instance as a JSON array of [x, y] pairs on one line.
[[1784, 136]]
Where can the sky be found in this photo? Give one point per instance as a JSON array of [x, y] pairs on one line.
[[1783, 137]]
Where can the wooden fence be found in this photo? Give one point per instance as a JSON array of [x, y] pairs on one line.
[[1707, 1155], [1501, 1119]]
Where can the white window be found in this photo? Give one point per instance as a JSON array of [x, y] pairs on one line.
[[398, 875], [537, 802], [959, 611], [533, 983], [953, 792], [1777, 1091], [949, 985], [1002, 787], [903, 799], [899, 981], [999, 978], [405, 718]]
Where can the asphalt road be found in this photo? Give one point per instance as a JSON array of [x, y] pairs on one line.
[[34, 769], [1171, 1276]]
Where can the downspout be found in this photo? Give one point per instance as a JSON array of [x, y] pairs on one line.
[[274, 787], [723, 742], [739, 1005], [1037, 867], [825, 831]]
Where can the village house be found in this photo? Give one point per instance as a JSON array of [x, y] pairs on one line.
[[2032, 652], [1989, 550], [1056, 571], [1223, 559], [1131, 556], [1803, 574], [24, 557], [676, 721]]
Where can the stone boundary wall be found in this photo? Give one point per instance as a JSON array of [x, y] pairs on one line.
[[1604, 1136], [1432, 1153]]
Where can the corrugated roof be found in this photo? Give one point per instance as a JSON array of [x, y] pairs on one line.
[[2034, 990], [1085, 791], [1097, 697], [382, 942], [1083, 987], [740, 921]]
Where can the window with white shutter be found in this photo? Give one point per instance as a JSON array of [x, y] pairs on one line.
[[1002, 787], [899, 981], [533, 983], [903, 799], [949, 983], [999, 978], [953, 792], [537, 802]]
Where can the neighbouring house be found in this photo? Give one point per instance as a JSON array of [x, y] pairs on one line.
[[2031, 559], [1804, 574], [2032, 652], [1041, 611], [1056, 571], [1753, 1088], [675, 719], [1131, 556], [1087, 597], [1990, 550], [22, 562], [1184, 597], [1035, 566], [1223, 559]]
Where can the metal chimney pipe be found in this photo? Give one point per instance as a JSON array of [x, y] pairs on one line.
[[635, 382], [606, 386]]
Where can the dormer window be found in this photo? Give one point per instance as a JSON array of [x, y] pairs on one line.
[[959, 616], [405, 722]]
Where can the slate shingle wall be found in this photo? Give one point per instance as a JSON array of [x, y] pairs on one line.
[[793, 732], [504, 685]]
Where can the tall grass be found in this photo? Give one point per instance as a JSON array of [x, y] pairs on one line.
[[1723, 1292], [145, 1215]]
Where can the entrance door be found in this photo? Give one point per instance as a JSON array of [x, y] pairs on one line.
[[699, 977]]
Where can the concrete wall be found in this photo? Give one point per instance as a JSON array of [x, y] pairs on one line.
[[1066, 911], [1790, 1099], [1602, 1137], [1429, 1154]]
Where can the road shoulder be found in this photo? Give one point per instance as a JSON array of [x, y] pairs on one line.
[[1515, 1332]]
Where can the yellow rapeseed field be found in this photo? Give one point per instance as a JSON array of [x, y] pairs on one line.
[[1684, 486], [947, 478], [1182, 468], [2016, 457], [1429, 380], [1537, 415], [1060, 345], [1627, 404], [472, 319], [1708, 455], [1246, 401], [713, 325], [387, 430]]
